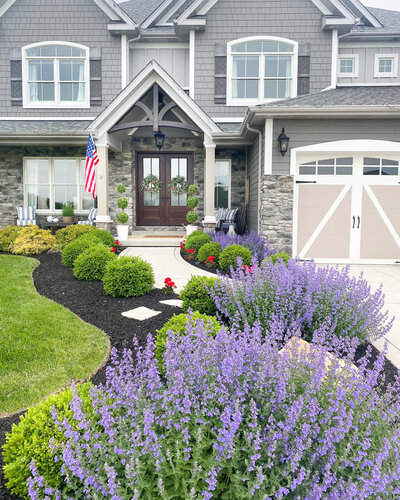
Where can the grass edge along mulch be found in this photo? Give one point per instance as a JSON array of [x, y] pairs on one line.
[[43, 346]]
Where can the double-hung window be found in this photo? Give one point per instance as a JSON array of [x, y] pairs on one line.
[[261, 70], [56, 75], [50, 183]]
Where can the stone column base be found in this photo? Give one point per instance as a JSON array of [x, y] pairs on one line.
[[209, 222], [103, 222]]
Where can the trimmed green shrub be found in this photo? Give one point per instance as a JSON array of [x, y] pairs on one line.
[[192, 189], [70, 233], [178, 325], [104, 236], [209, 249], [128, 277], [32, 241], [191, 216], [276, 257], [231, 254], [76, 247], [192, 202], [7, 237], [30, 439], [196, 240], [91, 264], [122, 217], [196, 297]]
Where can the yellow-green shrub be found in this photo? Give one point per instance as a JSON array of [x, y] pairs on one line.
[[32, 241], [7, 237], [70, 233]]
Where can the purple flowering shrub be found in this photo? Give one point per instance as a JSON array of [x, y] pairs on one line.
[[256, 243], [303, 296], [235, 419]]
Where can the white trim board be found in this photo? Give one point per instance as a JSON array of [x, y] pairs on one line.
[[49, 118]]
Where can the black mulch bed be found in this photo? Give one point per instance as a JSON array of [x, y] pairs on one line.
[[89, 302]]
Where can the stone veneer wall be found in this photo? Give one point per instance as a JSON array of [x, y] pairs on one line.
[[11, 174], [277, 210]]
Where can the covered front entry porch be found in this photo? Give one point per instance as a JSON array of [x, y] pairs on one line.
[[166, 139]]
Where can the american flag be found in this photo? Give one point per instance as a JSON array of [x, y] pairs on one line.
[[90, 172]]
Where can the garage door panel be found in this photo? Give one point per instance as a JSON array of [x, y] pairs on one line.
[[314, 201], [389, 199], [333, 240]]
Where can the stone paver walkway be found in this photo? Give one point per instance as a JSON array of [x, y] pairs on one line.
[[166, 263]]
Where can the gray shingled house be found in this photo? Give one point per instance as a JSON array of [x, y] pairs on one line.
[[220, 80]]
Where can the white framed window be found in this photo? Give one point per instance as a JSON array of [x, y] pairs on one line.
[[50, 183], [386, 66], [348, 65], [261, 69], [222, 184], [55, 75]]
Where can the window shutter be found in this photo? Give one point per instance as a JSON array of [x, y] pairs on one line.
[[16, 76], [95, 77], [220, 68], [303, 78]]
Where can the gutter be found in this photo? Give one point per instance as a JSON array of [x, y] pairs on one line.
[[369, 34], [326, 111]]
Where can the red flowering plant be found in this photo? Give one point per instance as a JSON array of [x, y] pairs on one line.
[[210, 262], [169, 286], [116, 247], [190, 254]]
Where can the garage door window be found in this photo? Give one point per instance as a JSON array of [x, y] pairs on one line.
[[331, 166], [380, 166]]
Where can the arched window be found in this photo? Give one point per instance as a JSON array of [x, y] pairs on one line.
[[55, 74], [261, 69]]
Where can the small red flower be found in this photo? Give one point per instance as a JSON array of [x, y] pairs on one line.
[[191, 250], [116, 242], [211, 259], [112, 249]]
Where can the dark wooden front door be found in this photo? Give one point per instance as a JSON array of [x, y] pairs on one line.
[[162, 208]]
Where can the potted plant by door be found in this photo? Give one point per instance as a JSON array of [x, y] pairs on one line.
[[122, 216], [68, 213], [192, 203]]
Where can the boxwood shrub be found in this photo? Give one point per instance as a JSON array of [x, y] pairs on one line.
[[196, 240], [195, 295], [276, 257], [128, 277], [32, 241], [178, 325], [67, 234], [231, 254], [209, 249], [91, 264], [104, 236], [30, 440], [7, 237], [76, 247]]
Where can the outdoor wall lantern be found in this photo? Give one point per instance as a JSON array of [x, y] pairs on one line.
[[159, 138], [283, 143]]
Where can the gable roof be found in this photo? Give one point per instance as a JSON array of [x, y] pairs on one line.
[[390, 20], [140, 10]]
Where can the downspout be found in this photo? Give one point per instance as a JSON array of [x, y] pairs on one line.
[[335, 53], [250, 129]]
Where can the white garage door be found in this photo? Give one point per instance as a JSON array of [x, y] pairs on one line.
[[348, 208]]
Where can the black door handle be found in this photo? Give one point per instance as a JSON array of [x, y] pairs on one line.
[[359, 220], [354, 221]]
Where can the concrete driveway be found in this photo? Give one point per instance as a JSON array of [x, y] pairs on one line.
[[389, 276]]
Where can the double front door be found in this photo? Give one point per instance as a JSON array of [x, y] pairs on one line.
[[158, 204]]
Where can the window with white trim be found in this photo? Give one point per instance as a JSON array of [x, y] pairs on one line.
[[50, 183], [222, 184], [386, 65], [261, 69], [330, 166], [348, 66], [55, 75]]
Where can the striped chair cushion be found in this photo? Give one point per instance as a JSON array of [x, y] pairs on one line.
[[85, 222], [92, 214], [219, 215], [230, 216], [26, 213], [26, 222]]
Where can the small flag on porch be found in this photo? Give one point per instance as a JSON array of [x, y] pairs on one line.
[[90, 172]]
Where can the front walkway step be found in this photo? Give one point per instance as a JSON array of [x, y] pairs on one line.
[[154, 239], [166, 263]]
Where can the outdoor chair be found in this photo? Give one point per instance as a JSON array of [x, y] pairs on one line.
[[26, 216], [225, 217], [91, 218]]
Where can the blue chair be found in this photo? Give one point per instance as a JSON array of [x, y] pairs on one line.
[[91, 218], [26, 216]]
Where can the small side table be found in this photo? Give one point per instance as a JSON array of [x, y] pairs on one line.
[[55, 225]]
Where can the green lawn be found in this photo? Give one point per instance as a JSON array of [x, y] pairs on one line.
[[43, 346]]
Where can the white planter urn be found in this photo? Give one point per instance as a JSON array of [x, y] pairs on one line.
[[190, 229], [122, 230]]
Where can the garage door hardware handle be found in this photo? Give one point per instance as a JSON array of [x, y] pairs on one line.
[[309, 182], [354, 221], [359, 220]]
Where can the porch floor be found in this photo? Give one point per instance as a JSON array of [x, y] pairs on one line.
[[155, 238]]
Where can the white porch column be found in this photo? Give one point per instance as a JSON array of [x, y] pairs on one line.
[[103, 217], [209, 168]]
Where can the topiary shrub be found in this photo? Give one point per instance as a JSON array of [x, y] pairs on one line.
[[128, 277], [91, 264], [76, 247], [178, 325], [231, 254], [30, 439], [8, 235], [276, 257], [67, 234], [32, 241], [195, 295], [209, 249], [196, 240]]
